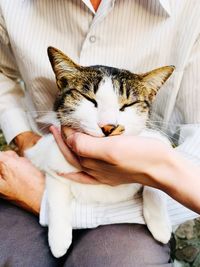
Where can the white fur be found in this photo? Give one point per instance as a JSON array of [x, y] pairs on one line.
[[108, 107], [91, 118], [47, 157]]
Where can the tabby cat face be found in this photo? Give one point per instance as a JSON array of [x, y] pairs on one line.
[[100, 100]]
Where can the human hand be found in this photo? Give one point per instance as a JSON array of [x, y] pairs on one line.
[[20, 182], [133, 159], [60, 138], [118, 159], [26, 140]]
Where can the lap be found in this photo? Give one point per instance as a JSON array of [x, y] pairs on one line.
[[121, 245], [23, 242]]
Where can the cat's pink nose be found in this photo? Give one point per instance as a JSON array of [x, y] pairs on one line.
[[111, 129]]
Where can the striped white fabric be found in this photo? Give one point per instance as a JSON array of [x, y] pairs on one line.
[[91, 216], [138, 35]]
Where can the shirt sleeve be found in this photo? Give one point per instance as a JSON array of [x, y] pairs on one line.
[[188, 105], [13, 120]]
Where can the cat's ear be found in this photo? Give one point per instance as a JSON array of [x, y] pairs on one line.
[[153, 80], [63, 67]]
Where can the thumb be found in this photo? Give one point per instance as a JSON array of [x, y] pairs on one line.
[[88, 146]]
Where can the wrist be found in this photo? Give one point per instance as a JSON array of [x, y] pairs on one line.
[[177, 174], [167, 170], [184, 182]]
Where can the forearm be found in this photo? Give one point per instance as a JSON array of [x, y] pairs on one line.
[[180, 179]]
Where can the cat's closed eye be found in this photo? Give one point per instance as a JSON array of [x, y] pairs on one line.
[[87, 97], [133, 103], [91, 100], [128, 105], [94, 102]]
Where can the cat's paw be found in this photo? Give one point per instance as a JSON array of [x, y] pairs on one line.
[[59, 242], [160, 228], [160, 231]]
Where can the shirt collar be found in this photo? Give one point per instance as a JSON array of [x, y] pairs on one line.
[[89, 5], [164, 3], [166, 6]]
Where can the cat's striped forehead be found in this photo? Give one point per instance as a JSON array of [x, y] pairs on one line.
[[70, 75], [78, 81], [123, 81], [94, 78], [92, 98], [108, 88]]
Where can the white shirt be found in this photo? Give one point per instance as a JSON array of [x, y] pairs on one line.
[[135, 35]]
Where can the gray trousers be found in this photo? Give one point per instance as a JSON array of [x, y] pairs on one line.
[[23, 243]]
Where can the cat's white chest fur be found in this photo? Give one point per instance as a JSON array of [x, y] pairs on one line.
[[60, 191], [47, 157], [99, 101]]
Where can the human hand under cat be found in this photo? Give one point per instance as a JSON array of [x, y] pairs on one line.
[[116, 160], [26, 140], [20, 182], [132, 159]]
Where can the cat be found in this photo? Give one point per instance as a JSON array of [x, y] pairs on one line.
[[100, 101]]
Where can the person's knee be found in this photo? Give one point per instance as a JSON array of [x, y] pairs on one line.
[[24, 240], [120, 246]]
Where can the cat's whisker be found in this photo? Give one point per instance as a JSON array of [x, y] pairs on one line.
[[157, 126], [44, 128], [40, 113], [33, 110], [162, 122], [172, 138], [154, 123]]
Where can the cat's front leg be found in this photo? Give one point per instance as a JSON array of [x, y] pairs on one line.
[[156, 215], [60, 228]]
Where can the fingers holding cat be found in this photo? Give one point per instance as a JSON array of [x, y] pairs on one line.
[[120, 159], [84, 145], [81, 177], [75, 145], [60, 138], [20, 181], [5, 172], [100, 172], [95, 156], [76, 156]]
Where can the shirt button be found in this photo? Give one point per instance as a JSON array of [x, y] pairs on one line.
[[92, 39]]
